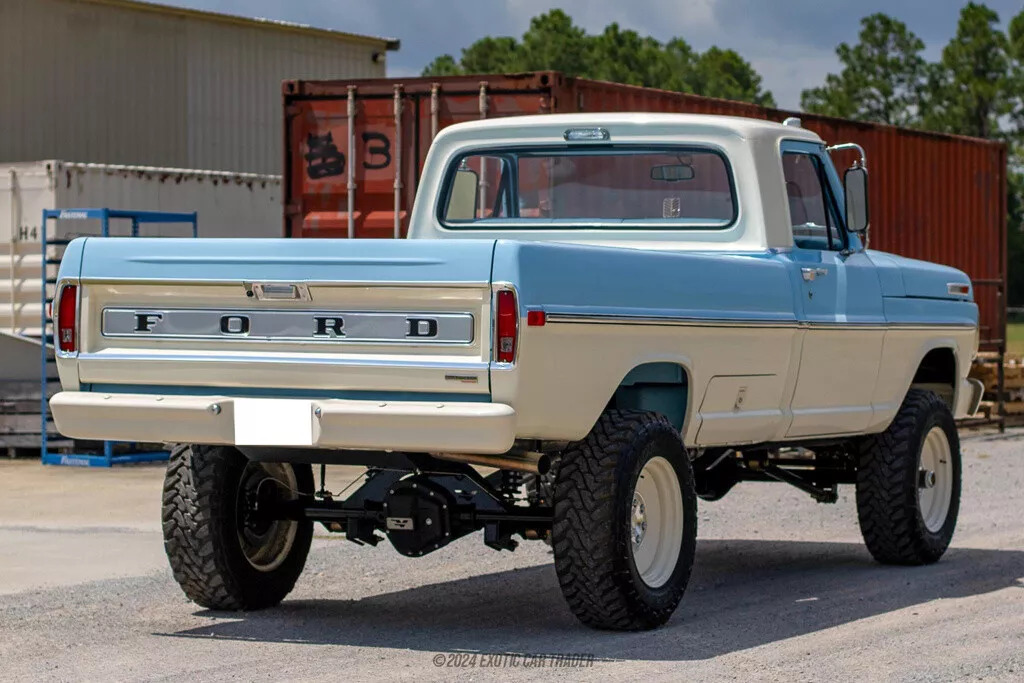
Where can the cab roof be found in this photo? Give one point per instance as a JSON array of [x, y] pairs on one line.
[[628, 123]]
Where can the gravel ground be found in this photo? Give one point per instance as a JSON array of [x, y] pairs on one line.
[[783, 589]]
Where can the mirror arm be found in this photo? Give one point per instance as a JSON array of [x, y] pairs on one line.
[[862, 162]]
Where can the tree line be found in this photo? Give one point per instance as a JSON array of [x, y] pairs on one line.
[[619, 55], [975, 87]]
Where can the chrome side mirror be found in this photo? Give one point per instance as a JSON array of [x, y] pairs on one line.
[[855, 184]]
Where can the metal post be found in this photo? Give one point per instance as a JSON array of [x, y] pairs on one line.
[[483, 160], [44, 404], [435, 107], [15, 225], [398, 161], [351, 187], [1001, 377]]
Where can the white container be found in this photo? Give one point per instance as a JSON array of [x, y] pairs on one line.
[[228, 205]]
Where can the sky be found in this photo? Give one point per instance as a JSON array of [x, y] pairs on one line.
[[790, 42]]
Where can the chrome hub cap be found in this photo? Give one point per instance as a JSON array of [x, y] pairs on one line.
[[935, 480], [656, 522]]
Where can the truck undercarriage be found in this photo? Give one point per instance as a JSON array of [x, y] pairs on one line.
[[420, 502]]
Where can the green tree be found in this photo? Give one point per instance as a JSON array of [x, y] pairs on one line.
[[444, 65], [554, 42], [614, 55], [677, 67], [492, 55], [1015, 240], [1015, 84], [724, 74], [883, 76], [620, 55], [970, 85]]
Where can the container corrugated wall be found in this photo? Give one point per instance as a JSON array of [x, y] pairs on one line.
[[934, 197], [113, 83]]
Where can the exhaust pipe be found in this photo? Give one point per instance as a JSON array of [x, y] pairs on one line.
[[520, 461]]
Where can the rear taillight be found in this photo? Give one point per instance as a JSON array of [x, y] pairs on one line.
[[506, 324], [67, 318]]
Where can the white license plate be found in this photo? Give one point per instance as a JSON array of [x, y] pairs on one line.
[[273, 422]]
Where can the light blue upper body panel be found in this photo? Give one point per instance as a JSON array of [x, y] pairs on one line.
[[589, 280], [758, 288], [236, 260], [569, 279]]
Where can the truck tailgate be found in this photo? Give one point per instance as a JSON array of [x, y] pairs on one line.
[[318, 318]]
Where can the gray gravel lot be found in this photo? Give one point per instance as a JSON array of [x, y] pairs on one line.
[[782, 590]]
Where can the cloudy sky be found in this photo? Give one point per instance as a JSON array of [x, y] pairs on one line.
[[790, 42]]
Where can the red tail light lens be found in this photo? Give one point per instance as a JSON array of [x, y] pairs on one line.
[[67, 317], [506, 327]]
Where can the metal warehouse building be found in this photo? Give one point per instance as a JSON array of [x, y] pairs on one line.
[[125, 82]]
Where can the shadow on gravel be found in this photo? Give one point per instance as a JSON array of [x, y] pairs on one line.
[[743, 594]]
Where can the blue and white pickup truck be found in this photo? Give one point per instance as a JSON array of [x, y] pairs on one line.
[[596, 320]]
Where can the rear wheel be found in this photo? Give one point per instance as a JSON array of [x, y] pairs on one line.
[[224, 552], [625, 522], [908, 483]]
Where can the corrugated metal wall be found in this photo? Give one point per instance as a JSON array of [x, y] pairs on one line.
[[98, 82], [228, 205]]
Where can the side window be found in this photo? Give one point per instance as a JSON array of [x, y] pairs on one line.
[[811, 208]]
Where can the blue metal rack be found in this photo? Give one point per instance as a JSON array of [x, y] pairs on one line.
[[104, 216]]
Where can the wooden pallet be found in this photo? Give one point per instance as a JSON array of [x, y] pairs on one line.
[[986, 369], [21, 415]]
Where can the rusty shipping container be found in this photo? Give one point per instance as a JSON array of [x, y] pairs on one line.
[[354, 151]]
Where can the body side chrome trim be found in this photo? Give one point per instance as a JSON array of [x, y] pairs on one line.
[[308, 283], [217, 357], [683, 321]]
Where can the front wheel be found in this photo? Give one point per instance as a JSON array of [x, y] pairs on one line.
[[625, 522], [908, 483], [223, 552]]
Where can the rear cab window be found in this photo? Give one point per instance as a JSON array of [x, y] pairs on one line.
[[619, 187]]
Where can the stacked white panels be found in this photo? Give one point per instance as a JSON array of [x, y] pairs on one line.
[[228, 205]]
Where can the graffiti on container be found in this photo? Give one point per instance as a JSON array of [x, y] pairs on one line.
[[383, 150], [323, 158]]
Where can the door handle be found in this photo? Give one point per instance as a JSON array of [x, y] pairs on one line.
[[811, 274]]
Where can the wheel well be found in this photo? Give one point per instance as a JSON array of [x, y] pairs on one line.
[[937, 372], [658, 387]]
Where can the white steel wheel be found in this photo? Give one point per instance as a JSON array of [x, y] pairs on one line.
[[266, 543], [908, 483], [656, 522], [935, 480]]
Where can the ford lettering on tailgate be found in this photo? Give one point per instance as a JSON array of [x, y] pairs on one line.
[[334, 326]]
